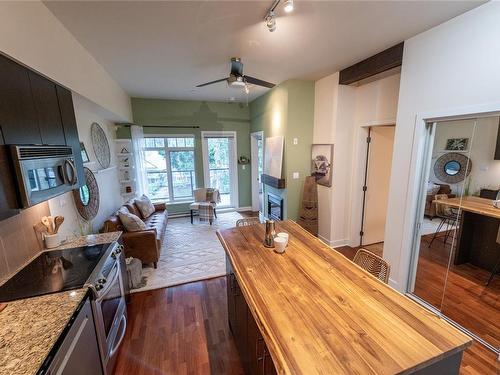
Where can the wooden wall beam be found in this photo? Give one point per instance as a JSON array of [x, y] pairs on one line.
[[385, 60]]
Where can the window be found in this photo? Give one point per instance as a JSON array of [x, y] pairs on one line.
[[170, 167]]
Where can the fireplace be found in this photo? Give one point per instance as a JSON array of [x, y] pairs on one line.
[[274, 207]]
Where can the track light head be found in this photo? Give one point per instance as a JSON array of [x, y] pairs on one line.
[[271, 21], [288, 6]]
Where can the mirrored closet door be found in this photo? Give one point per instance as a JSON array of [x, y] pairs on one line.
[[457, 239]]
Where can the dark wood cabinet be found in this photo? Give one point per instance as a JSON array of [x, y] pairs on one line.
[[67, 110], [251, 346], [18, 117], [47, 108], [33, 111]]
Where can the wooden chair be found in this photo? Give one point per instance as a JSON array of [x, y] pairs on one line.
[[247, 221], [373, 264]]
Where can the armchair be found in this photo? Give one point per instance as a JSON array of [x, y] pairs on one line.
[[205, 198]]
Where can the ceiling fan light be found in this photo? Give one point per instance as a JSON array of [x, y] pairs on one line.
[[288, 6]]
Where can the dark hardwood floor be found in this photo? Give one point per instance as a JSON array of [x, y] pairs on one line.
[[179, 330]]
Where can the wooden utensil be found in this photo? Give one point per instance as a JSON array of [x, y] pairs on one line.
[[58, 220], [48, 224], [40, 230]]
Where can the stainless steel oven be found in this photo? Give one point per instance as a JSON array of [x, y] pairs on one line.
[[109, 307], [43, 172]]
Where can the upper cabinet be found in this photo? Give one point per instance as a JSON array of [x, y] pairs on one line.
[[47, 109], [33, 111], [18, 116]]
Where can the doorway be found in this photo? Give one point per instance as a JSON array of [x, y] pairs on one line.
[[257, 160], [220, 166], [379, 146]]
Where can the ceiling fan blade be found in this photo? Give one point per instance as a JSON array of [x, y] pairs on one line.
[[259, 82], [210, 83], [236, 67]]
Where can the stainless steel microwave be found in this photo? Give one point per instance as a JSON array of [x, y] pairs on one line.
[[43, 172]]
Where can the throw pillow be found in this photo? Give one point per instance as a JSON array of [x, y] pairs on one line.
[[131, 222], [145, 206]]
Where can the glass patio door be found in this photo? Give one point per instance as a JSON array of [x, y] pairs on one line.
[[219, 159]]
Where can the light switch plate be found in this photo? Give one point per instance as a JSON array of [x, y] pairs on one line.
[[295, 175], [295, 141]]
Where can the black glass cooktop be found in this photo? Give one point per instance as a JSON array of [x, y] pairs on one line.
[[53, 271]]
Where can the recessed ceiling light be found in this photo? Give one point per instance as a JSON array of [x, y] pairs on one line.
[[288, 6]]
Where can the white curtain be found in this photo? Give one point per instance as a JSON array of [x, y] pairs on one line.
[[140, 169]]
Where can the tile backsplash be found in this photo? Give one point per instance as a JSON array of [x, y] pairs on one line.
[[18, 242]]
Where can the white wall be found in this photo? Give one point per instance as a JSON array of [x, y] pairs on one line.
[[485, 172], [340, 115], [31, 34], [450, 69], [109, 188]]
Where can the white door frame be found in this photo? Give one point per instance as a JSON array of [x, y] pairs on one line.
[[254, 159], [233, 162]]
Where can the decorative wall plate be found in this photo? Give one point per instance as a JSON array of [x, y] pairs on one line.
[[100, 145], [87, 197], [452, 167]]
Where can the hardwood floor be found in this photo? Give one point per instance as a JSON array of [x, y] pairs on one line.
[[179, 330]]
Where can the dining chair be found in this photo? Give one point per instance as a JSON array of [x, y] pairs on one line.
[[245, 222], [448, 217], [373, 264]]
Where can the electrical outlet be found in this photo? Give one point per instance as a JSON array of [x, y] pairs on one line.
[[295, 175], [295, 141]]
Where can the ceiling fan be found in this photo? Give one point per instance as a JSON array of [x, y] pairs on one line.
[[237, 79]]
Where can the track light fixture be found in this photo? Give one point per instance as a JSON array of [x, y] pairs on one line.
[[270, 17], [271, 21], [288, 6]]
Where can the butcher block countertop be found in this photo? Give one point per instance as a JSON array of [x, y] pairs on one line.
[[319, 313]]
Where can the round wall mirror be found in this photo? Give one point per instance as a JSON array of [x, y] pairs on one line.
[[87, 197], [452, 167]]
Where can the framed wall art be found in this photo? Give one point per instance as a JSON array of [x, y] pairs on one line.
[[321, 166]]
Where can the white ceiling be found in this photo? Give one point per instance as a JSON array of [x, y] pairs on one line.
[[164, 49]]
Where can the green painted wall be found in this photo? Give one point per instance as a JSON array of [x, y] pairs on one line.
[[164, 115], [288, 110]]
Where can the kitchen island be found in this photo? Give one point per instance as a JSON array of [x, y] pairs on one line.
[[312, 311]]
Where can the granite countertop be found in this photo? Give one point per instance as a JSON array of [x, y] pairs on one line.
[[29, 328], [89, 240]]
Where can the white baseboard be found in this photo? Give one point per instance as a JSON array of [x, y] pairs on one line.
[[334, 243], [247, 208]]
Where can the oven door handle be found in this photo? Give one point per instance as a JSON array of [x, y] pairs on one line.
[[109, 283], [122, 336]]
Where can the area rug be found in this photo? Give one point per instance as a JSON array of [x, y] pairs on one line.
[[430, 226], [190, 252]]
